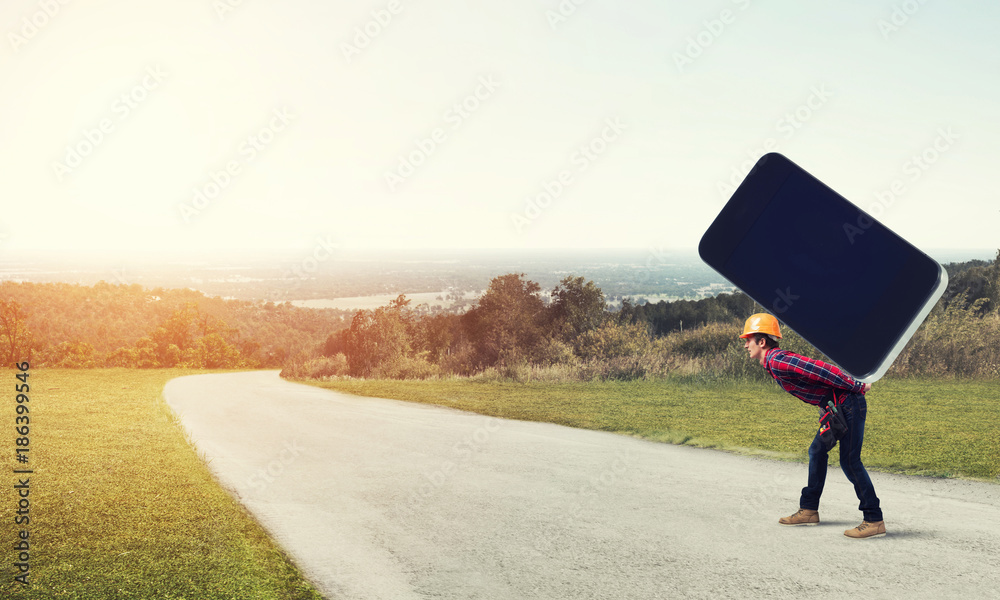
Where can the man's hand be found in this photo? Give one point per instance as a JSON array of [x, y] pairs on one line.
[[867, 387]]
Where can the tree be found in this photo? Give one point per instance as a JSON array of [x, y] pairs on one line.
[[212, 351], [577, 307], [178, 328], [336, 343], [123, 357], [15, 339], [437, 334], [74, 355], [506, 327], [378, 337], [145, 354]]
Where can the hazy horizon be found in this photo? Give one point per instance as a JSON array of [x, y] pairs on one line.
[[653, 274], [944, 254]]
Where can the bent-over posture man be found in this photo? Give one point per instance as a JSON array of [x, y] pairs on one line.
[[814, 381]]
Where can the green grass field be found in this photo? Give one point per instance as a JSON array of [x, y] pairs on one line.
[[942, 428], [121, 505]]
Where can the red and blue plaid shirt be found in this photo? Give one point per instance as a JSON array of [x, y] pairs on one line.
[[808, 379]]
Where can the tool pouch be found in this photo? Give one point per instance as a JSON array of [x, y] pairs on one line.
[[832, 425]]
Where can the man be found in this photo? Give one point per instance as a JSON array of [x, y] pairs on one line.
[[814, 382]]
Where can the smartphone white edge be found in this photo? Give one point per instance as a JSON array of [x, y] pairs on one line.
[[915, 324]]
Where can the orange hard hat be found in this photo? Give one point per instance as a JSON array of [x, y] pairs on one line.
[[761, 323]]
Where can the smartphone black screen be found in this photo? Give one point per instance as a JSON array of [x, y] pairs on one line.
[[842, 280]]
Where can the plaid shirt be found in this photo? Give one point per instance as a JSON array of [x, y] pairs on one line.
[[808, 379]]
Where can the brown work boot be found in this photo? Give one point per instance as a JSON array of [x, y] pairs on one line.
[[803, 516], [867, 530]]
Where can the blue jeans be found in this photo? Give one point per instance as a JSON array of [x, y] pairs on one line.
[[855, 410]]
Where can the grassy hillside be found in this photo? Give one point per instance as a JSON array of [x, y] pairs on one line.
[[122, 507], [916, 426]]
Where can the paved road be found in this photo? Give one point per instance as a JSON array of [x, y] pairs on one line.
[[384, 499]]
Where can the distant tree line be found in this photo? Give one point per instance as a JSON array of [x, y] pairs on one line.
[[664, 317], [511, 325], [75, 326], [513, 331]]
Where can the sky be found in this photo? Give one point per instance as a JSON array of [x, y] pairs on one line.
[[217, 125]]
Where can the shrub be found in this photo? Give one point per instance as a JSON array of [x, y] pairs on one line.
[[123, 357], [406, 367], [461, 360], [711, 340], [554, 352], [624, 367], [954, 341], [73, 355], [735, 364], [615, 340], [524, 372], [325, 367]]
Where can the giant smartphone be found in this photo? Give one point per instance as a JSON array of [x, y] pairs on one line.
[[843, 281]]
